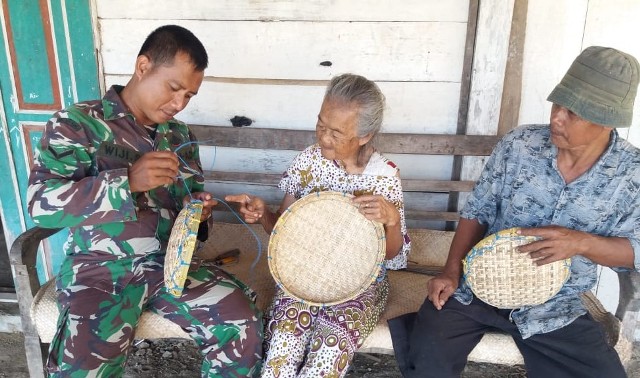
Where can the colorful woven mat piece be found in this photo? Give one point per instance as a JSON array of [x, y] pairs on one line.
[[182, 243], [503, 277]]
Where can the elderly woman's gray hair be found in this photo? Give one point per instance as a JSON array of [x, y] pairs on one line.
[[365, 94]]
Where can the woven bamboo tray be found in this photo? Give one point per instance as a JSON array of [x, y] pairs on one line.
[[323, 251], [504, 278], [182, 243]]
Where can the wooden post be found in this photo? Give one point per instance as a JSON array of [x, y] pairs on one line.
[[463, 107], [512, 90]]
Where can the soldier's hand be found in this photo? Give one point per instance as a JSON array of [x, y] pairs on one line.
[[207, 203], [152, 170]]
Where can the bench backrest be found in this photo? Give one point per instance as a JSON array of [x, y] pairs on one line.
[[429, 245], [415, 145]]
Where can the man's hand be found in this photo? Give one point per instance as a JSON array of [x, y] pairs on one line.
[[207, 203], [440, 288], [152, 170], [557, 243], [252, 208]]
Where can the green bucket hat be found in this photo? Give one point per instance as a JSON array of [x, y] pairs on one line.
[[600, 87]]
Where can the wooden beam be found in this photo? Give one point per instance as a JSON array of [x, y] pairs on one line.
[[449, 216], [512, 87], [271, 179], [297, 140], [436, 186], [463, 106], [408, 213], [467, 68]]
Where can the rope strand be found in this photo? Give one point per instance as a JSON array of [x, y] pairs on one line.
[[197, 173]]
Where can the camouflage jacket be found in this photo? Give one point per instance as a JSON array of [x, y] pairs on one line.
[[79, 180], [521, 186]]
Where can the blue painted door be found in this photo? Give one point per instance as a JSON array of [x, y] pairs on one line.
[[47, 61]]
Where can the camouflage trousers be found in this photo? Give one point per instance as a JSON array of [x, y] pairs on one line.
[[96, 328]]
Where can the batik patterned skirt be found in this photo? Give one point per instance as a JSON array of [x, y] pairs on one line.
[[311, 341]]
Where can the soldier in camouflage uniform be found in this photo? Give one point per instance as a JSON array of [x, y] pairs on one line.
[[108, 170]]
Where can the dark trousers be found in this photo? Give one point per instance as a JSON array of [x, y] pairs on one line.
[[432, 343]]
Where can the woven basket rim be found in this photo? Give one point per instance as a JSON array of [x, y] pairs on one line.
[[180, 247], [504, 278], [305, 266]]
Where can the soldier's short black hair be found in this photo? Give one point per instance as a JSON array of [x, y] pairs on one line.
[[162, 45]]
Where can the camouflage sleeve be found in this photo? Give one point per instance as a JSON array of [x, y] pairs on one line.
[[65, 190]]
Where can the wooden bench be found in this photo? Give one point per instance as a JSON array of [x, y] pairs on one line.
[[430, 246]]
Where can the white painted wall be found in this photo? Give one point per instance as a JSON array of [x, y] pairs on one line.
[[265, 61], [556, 33]]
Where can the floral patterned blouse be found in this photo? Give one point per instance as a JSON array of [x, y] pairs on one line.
[[311, 172]]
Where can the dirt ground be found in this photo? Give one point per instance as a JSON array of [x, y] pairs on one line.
[[179, 358]]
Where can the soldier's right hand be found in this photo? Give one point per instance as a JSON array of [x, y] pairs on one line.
[[440, 288], [152, 170]]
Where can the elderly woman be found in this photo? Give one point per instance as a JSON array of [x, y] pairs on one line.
[[344, 160]]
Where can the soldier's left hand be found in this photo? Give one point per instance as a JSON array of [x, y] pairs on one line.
[[207, 203]]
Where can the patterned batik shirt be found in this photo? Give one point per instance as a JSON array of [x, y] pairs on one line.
[[310, 172], [521, 186], [80, 180]]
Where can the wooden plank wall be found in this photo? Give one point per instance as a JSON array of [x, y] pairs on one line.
[[265, 184], [557, 32], [271, 60]]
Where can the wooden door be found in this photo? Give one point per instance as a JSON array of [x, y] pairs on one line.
[[47, 61]]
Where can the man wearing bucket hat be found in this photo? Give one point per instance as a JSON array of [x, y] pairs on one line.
[[575, 184]]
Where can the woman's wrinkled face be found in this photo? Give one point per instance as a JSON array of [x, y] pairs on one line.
[[166, 90], [336, 130]]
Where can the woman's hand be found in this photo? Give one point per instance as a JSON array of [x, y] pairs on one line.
[[207, 203], [252, 208], [377, 208]]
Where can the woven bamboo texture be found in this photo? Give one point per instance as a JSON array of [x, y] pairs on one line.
[[503, 277], [182, 243], [323, 251]]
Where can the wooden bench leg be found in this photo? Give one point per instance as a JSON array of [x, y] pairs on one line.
[[36, 353]]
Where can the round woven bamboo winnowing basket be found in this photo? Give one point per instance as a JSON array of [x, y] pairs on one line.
[[182, 243], [323, 251], [503, 277]]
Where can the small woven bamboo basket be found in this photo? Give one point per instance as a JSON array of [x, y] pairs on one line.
[[182, 243], [503, 277], [323, 251]]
